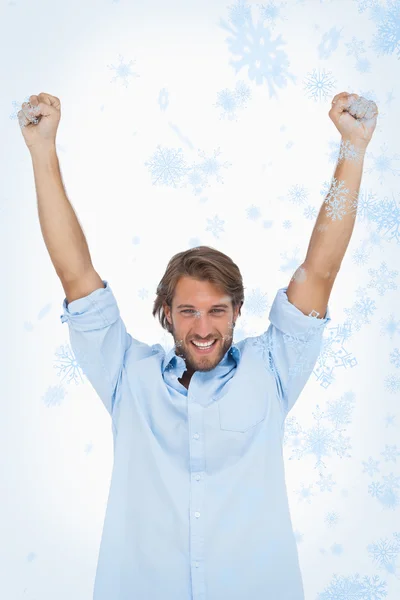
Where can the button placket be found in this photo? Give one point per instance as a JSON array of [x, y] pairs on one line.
[[197, 466]]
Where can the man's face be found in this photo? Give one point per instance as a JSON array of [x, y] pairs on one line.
[[200, 312]]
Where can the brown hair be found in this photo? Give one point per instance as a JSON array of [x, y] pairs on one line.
[[205, 264]]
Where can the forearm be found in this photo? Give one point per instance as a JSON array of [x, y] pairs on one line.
[[62, 233], [335, 223]]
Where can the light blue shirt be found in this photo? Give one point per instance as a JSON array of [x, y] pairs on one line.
[[197, 508]]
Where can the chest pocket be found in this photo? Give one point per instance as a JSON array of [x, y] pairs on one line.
[[243, 403]]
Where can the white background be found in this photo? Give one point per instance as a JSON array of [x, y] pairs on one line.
[[135, 76]]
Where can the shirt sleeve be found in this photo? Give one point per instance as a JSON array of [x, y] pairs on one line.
[[99, 340], [292, 344]]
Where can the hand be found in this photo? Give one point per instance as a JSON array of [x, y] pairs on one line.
[[39, 119], [354, 117]]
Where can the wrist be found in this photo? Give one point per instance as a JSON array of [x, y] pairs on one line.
[[352, 149], [357, 143], [42, 149]]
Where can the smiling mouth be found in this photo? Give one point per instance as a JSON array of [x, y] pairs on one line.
[[204, 349]]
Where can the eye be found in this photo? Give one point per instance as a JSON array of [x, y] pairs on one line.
[[192, 310]]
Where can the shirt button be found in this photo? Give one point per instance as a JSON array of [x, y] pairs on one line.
[[198, 477], [196, 436], [196, 564], [197, 514]]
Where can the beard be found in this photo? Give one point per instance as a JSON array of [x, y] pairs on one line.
[[196, 361]]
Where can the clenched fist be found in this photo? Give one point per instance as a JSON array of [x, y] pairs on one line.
[[355, 117], [39, 119]]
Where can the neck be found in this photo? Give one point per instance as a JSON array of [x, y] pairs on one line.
[[185, 380]]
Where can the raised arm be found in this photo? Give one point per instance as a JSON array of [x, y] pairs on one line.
[[62, 233], [98, 335]]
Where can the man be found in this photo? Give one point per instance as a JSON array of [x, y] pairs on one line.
[[198, 506]]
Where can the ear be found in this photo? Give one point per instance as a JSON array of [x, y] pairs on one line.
[[167, 312]]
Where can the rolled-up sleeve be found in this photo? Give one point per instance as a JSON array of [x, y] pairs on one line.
[[292, 343], [98, 339]]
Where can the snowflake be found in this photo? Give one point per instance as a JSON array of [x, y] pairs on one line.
[[253, 213], [386, 492], [337, 195], [230, 100], [361, 256], [305, 493], [395, 358], [291, 263], [215, 225], [242, 93], [334, 354], [346, 588], [382, 279], [390, 453], [297, 194], [355, 47], [258, 52], [143, 293], [240, 13], [390, 326], [256, 305], [310, 212], [329, 43], [227, 101], [211, 167], [270, 13], [326, 436], [167, 166], [123, 71], [331, 519], [389, 420], [197, 179], [348, 151], [370, 466], [67, 364], [387, 38], [367, 203], [362, 309], [54, 395], [319, 85], [384, 553], [386, 214], [325, 482], [333, 154], [363, 65], [364, 4], [392, 384], [382, 163]]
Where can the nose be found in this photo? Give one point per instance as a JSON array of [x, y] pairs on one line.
[[203, 330]]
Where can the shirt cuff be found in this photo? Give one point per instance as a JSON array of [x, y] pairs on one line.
[[94, 311], [291, 320]]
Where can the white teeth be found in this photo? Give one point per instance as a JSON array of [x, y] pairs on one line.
[[203, 345]]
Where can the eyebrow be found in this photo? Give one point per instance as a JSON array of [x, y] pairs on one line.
[[213, 306]]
